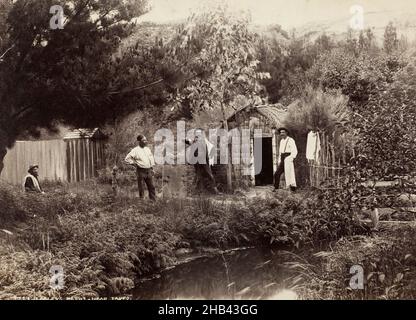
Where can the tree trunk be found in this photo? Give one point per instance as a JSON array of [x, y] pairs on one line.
[[229, 168], [3, 148], [2, 155]]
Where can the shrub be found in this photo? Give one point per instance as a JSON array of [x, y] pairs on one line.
[[105, 243], [25, 275], [11, 209], [388, 262]]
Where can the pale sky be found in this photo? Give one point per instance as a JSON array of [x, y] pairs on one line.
[[288, 13]]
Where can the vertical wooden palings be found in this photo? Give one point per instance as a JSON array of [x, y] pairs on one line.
[[326, 157], [323, 160], [68, 162], [333, 162]]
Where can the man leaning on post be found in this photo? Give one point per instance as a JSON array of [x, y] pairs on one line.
[[142, 159]]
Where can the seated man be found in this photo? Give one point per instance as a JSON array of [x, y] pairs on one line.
[[31, 182]]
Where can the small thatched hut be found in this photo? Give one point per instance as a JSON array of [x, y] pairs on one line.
[[267, 118]]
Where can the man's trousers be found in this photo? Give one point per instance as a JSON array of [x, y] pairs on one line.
[[146, 176]]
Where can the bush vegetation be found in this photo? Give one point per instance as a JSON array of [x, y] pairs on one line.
[[388, 261], [105, 243]]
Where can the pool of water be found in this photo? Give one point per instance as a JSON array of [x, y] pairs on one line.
[[248, 274]]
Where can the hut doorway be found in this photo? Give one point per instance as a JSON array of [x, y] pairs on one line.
[[264, 160]]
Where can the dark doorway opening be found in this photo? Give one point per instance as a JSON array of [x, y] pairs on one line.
[[264, 161]]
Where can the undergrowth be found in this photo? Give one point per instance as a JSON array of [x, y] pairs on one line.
[[105, 243]]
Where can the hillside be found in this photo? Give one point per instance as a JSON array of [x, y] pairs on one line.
[[405, 23]]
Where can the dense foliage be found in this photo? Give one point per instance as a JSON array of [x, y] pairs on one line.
[[387, 135], [80, 75], [388, 262], [97, 71], [104, 244]]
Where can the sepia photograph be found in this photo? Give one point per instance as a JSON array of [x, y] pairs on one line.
[[234, 151]]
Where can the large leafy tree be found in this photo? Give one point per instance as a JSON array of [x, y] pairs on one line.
[[218, 47], [60, 75], [287, 59]]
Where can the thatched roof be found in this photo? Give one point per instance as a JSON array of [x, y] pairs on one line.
[[273, 113]]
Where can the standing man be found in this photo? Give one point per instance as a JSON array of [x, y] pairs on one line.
[[31, 181], [204, 160], [287, 153], [142, 159]]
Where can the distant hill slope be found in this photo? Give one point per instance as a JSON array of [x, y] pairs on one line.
[[405, 23]]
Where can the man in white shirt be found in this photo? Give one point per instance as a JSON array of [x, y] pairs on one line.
[[142, 159], [287, 153]]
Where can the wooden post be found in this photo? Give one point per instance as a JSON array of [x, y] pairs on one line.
[[163, 180], [114, 184], [327, 160], [229, 172], [333, 162]]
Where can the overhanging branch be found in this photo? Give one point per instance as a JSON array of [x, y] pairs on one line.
[[112, 93], [4, 54], [21, 111]]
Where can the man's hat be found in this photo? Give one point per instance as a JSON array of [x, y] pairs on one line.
[[283, 128], [33, 166]]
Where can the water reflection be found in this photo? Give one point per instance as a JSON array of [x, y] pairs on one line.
[[249, 274]]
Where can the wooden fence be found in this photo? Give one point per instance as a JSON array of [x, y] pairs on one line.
[[49, 154], [332, 158], [58, 160]]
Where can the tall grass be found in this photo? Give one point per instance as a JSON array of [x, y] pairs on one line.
[[388, 261], [105, 243]]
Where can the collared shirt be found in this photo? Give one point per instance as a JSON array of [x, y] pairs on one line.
[[142, 157], [288, 145]]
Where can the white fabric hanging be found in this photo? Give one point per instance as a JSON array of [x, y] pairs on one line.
[[313, 146]]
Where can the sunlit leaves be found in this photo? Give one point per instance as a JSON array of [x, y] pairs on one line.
[[221, 48]]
